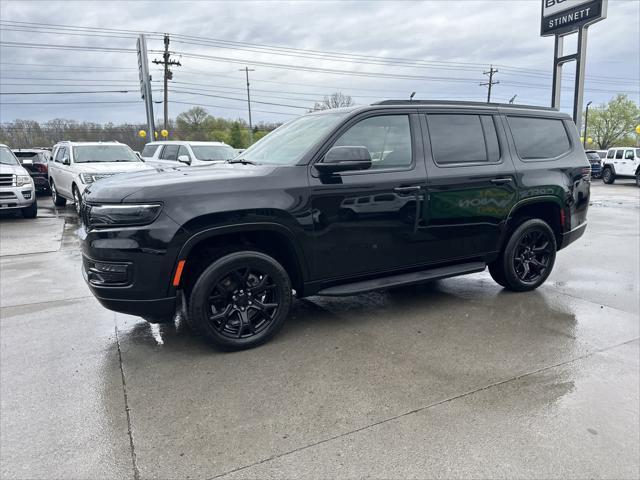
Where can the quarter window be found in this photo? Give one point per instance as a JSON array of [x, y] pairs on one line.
[[619, 154], [387, 137], [169, 152], [539, 138], [149, 150], [463, 139], [611, 153]]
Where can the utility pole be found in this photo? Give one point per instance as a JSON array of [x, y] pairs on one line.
[[246, 70], [490, 83], [168, 75]]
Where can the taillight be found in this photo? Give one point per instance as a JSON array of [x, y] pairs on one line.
[[562, 217]]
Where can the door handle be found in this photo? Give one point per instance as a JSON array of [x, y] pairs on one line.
[[501, 181], [410, 189]]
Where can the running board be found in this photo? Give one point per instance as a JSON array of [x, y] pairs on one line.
[[402, 279]]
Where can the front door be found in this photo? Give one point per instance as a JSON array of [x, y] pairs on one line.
[[471, 183], [366, 221]]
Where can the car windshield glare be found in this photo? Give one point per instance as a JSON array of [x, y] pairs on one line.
[[7, 157], [287, 144], [104, 153], [213, 152]]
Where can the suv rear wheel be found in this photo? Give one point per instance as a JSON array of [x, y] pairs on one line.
[[528, 257], [241, 300], [58, 201], [608, 176]]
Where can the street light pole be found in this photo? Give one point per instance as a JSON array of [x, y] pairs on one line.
[[586, 121], [246, 71]]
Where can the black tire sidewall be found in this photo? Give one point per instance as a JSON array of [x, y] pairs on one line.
[[58, 201], [198, 301], [607, 176], [31, 211], [512, 282]]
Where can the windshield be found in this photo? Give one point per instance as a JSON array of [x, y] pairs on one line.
[[213, 152], [104, 153], [287, 144], [7, 157], [593, 156]]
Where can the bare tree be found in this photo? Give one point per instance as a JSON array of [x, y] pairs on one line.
[[335, 100]]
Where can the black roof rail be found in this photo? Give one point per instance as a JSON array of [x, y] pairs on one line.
[[462, 104]]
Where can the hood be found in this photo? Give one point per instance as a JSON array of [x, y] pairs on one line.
[[111, 167], [155, 184], [12, 169]]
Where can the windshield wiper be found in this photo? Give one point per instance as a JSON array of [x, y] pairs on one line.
[[242, 161]]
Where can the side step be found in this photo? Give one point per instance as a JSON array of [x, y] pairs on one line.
[[402, 279]]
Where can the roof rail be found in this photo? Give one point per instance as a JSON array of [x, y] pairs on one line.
[[462, 104]]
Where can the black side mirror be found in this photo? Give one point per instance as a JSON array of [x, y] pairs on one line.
[[343, 159]]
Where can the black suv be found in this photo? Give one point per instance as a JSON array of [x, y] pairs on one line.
[[337, 203]]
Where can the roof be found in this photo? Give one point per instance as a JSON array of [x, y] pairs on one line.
[[184, 142], [67, 142], [457, 103], [29, 150]]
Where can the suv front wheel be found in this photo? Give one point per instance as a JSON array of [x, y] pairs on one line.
[[528, 257], [241, 300]]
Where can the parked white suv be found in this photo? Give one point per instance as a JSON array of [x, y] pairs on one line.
[[17, 190], [621, 162], [75, 165], [169, 153]]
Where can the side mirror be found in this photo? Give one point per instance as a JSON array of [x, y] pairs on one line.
[[66, 161], [184, 159], [343, 159]]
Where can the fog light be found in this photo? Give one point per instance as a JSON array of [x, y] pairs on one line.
[[27, 195], [100, 273]]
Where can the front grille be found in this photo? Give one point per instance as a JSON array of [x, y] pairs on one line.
[[7, 195], [7, 180]]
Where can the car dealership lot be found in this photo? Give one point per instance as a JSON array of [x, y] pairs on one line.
[[457, 378]]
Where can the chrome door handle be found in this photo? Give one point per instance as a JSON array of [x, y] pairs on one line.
[[410, 189], [501, 181]]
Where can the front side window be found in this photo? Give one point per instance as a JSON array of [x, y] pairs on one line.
[[103, 153], [387, 137], [619, 154], [463, 138], [212, 153], [149, 150], [7, 157], [62, 152], [184, 151], [539, 138], [169, 152]]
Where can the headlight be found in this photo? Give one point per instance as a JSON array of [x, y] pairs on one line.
[[121, 215], [86, 178], [22, 180]]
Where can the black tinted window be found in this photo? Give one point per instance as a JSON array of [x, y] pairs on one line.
[[62, 152], [539, 138], [149, 150], [611, 153], [170, 152], [388, 139], [618, 154], [463, 138]]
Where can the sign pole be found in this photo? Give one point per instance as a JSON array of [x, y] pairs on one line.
[[145, 85], [557, 72], [578, 93]]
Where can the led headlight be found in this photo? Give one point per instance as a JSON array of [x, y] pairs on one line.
[[86, 178], [123, 215], [22, 180]]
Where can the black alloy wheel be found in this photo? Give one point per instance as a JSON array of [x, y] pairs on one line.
[[527, 258], [241, 300]]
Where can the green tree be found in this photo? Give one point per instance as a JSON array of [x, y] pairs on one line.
[[236, 139], [613, 124], [192, 124]]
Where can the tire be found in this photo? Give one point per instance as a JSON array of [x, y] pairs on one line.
[[58, 201], [638, 178], [240, 300], [528, 257], [76, 199], [31, 211], [608, 176]]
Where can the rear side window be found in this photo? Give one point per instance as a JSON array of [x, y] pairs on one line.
[[619, 154], [149, 150], [463, 139], [539, 138]]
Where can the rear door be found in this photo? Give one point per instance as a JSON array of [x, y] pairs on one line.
[[471, 182]]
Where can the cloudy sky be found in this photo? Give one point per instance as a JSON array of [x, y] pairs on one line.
[[300, 51]]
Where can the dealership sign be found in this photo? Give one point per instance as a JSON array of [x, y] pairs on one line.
[[564, 16]]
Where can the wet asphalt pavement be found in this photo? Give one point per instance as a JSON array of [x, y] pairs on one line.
[[453, 379]]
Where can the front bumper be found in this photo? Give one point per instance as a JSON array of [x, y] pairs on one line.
[[17, 197]]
